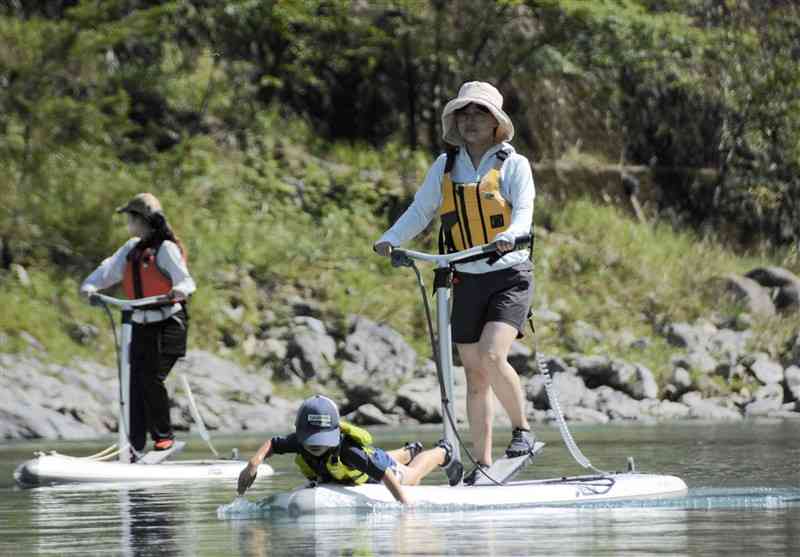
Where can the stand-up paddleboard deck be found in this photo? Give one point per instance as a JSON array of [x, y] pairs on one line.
[[54, 468], [556, 491]]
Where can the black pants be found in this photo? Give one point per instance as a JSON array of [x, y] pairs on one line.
[[155, 347]]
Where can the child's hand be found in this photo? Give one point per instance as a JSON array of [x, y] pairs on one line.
[[246, 477]]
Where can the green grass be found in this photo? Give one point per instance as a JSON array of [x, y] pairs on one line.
[[618, 274]]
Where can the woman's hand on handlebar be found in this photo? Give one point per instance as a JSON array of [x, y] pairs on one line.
[[383, 248], [503, 243]]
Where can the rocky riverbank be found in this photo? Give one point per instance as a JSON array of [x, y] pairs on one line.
[[378, 378]]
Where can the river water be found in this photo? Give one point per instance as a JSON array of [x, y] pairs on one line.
[[744, 499]]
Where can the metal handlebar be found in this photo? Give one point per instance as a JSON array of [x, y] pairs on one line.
[[402, 257], [127, 305]]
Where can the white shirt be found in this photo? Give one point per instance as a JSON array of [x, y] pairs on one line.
[[516, 187], [169, 259]]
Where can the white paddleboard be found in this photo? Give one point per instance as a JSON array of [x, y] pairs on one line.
[[54, 468], [557, 491]]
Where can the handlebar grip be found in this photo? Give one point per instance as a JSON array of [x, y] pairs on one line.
[[519, 242], [523, 240], [400, 259]]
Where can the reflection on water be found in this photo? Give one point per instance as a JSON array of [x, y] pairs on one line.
[[513, 532], [744, 499], [135, 522]]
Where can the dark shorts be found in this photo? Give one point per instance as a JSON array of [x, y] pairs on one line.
[[503, 296]]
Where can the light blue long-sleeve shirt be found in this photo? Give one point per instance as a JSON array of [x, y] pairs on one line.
[[516, 187]]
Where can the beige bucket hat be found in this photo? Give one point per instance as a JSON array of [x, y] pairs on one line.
[[144, 204], [484, 94]]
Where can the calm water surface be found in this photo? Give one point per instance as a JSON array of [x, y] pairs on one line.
[[744, 499]]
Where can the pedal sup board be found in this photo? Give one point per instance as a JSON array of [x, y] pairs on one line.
[[54, 468], [556, 491]]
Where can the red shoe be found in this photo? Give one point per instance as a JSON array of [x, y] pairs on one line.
[[163, 444]]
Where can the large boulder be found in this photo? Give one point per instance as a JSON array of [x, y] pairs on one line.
[[752, 295], [380, 350], [766, 400], [792, 378], [787, 284], [709, 409], [764, 369], [421, 400], [314, 349]]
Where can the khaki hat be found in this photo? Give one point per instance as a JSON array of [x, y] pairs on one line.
[[144, 204], [484, 94]]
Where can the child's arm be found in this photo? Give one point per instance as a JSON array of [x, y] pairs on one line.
[[248, 474], [391, 483]]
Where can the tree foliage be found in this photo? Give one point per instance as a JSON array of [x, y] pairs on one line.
[[101, 99]]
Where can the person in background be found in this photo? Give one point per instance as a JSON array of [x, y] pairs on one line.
[[331, 450], [483, 191], [151, 263]]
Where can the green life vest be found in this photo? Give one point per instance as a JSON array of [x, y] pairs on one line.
[[339, 471]]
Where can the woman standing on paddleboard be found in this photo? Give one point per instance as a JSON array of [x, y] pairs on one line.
[[151, 263], [483, 191]]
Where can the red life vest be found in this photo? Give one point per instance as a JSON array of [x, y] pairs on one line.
[[142, 277]]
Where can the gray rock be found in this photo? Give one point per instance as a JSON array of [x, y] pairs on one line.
[[682, 335], [519, 356], [302, 306], [380, 350], [305, 322], [792, 355], [772, 391], [708, 409], [585, 415], [596, 370], [792, 377], [25, 420], [747, 291], [315, 352], [681, 379], [535, 392], [369, 414], [773, 277], [277, 416], [697, 360], [617, 405], [546, 315], [273, 349], [582, 336], [420, 402], [767, 371], [768, 399], [788, 298], [667, 410], [727, 345], [570, 389]]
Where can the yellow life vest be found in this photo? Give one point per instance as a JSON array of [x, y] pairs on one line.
[[340, 472], [472, 213]]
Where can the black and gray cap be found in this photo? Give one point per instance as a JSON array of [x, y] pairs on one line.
[[318, 422]]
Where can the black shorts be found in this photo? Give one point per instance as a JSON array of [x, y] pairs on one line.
[[503, 295]]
